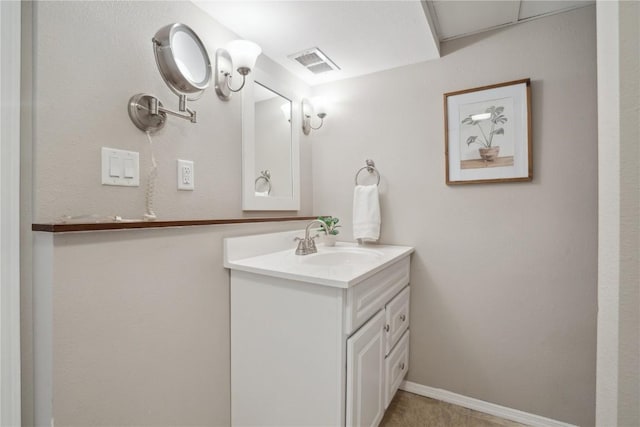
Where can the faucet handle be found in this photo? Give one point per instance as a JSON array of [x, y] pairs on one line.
[[302, 246], [311, 245]]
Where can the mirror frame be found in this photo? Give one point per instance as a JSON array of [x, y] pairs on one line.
[[251, 202], [164, 52]]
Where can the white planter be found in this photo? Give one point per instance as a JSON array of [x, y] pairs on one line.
[[329, 240]]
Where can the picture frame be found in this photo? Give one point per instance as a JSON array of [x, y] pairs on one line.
[[488, 134]]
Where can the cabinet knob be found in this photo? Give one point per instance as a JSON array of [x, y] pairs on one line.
[[403, 317], [386, 328], [402, 366]]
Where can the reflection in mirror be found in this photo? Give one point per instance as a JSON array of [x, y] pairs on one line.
[[272, 168], [193, 65], [263, 184], [270, 144]]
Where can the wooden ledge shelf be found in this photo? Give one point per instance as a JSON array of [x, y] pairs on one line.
[[62, 227]]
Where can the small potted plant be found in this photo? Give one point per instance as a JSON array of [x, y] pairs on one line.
[[331, 231], [488, 151]]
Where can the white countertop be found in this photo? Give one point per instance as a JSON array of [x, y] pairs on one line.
[[342, 266]]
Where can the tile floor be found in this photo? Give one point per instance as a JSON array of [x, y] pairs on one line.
[[411, 410]]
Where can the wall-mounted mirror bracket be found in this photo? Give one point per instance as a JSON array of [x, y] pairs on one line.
[[148, 114], [144, 111]]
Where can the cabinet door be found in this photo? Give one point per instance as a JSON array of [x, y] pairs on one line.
[[396, 367], [365, 374], [397, 318]]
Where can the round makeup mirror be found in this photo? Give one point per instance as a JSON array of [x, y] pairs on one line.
[[182, 60], [184, 65]]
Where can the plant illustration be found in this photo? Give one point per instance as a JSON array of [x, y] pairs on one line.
[[332, 224], [492, 114]]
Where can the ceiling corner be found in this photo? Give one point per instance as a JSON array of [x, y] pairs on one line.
[[517, 5], [432, 22]]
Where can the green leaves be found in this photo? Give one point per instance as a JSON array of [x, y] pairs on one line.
[[471, 140], [499, 131], [332, 224]]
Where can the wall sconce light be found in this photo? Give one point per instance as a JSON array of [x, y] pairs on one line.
[[240, 55], [308, 110], [286, 111]]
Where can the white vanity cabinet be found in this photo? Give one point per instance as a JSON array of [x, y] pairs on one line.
[[313, 348], [376, 361]]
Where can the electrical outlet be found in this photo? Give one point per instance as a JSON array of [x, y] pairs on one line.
[[186, 175]]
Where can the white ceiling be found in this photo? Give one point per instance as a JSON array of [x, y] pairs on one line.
[[454, 19], [363, 36]]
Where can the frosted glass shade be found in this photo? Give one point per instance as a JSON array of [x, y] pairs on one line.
[[319, 104], [286, 110], [307, 108], [243, 53]]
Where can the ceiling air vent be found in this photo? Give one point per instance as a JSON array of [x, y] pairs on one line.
[[314, 60]]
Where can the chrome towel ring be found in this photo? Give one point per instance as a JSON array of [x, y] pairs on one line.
[[266, 176], [371, 168]]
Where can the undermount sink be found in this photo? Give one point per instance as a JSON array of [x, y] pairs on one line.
[[342, 266], [337, 255]]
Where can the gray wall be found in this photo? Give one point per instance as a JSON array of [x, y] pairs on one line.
[[150, 345], [618, 379], [504, 275], [91, 57], [141, 326]]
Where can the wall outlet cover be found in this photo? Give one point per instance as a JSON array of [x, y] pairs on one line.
[[186, 175]]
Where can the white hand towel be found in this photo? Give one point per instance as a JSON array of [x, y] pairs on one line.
[[366, 213]]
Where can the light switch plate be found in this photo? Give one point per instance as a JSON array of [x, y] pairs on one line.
[[186, 175], [120, 167]]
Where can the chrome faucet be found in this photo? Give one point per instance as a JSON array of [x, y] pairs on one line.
[[307, 245]]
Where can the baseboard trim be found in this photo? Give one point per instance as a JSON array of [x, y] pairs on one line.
[[482, 406]]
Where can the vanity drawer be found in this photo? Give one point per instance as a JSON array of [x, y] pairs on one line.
[[397, 318], [396, 367], [366, 298]]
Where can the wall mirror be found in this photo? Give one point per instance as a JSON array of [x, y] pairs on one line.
[[184, 65], [270, 146]]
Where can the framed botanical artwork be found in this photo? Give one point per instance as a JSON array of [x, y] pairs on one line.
[[488, 134]]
